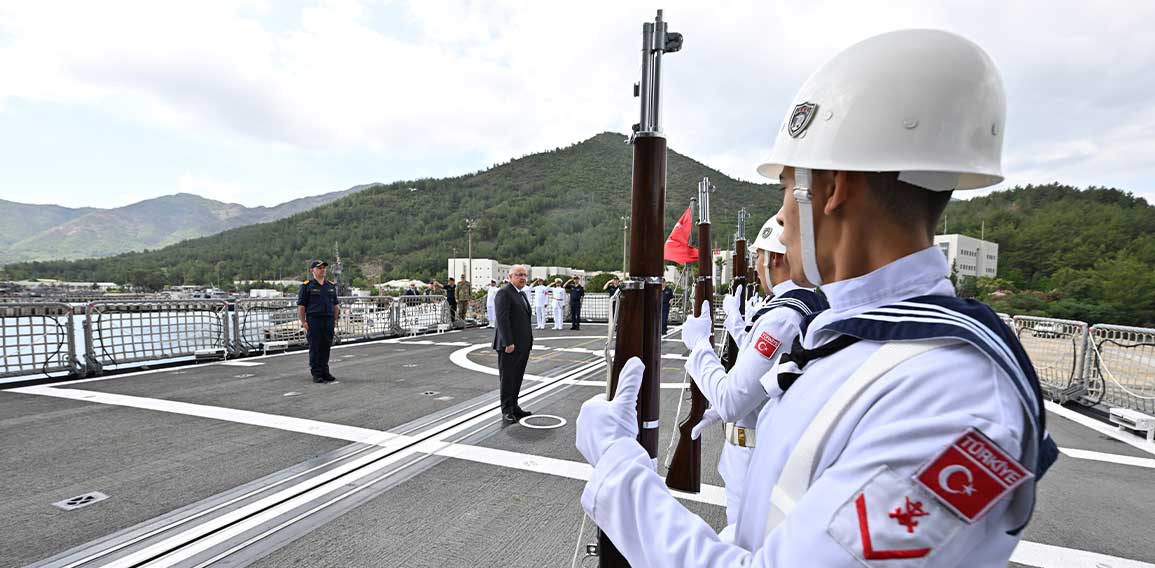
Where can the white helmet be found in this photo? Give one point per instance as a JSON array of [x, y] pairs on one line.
[[926, 103], [769, 238]]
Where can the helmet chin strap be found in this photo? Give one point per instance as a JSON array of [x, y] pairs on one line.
[[806, 224]]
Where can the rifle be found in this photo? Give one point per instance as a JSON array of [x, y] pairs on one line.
[[639, 329], [730, 353], [686, 466]]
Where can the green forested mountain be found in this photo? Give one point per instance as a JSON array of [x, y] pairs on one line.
[[560, 207], [1063, 252], [1077, 254]]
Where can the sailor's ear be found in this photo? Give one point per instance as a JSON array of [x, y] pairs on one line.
[[838, 187]]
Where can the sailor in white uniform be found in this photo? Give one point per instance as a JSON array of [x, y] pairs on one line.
[[911, 431], [490, 307], [737, 396], [557, 299], [540, 301]]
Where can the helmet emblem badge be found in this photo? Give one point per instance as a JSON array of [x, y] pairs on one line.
[[800, 118]]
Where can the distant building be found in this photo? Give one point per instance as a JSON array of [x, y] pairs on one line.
[[264, 293], [486, 269], [969, 256], [64, 285], [280, 282]]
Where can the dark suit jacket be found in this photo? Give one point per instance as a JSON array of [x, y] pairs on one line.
[[512, 320]]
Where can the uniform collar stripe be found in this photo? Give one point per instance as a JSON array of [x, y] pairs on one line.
[[963, 317], [790, 301], [1012, 369], [970, 323], [983, 333]]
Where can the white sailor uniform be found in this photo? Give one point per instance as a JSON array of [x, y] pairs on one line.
[[540, 300], [737, 396], [490, 304], [558, 301], [862, 505]]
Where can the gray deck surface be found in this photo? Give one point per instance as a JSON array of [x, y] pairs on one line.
[[157, 464]]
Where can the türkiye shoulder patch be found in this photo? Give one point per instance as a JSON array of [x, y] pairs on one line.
[[970, 475], [892, 522], [766, 345]]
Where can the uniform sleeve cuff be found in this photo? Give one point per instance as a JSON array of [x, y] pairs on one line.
[[621, 453]]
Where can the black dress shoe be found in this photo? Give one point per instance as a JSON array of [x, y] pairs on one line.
[[508, 418], [331, 379], [318, 379], [521, 413]]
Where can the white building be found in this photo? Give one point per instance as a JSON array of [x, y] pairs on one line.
[[264, 293], [969, 256], [484, 270], [279, 282]]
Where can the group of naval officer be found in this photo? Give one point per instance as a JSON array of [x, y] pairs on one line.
[[883, 422]]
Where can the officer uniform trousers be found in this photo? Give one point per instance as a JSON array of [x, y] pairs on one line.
[[575, 314], [320, 339]]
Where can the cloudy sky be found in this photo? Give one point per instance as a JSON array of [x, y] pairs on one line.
[[261, 101]]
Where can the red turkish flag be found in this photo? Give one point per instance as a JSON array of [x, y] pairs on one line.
[[678, 247], [971, 474]]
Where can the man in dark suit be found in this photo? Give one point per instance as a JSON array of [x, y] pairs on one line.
[[512, 341]]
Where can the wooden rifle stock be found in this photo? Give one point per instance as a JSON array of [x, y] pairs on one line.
[[686, 465], [730, 352], [639, 328]]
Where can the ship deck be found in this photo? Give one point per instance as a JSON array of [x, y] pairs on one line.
[[405, 462]]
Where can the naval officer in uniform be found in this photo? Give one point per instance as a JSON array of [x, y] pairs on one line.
[[318, 309], [910, 430]]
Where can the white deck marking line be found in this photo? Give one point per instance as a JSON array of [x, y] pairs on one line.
[[289, 424], [461, 356], [1110, 458], [1047, 556], [1100, 427], [602, 384], [1028, 553], [241, 364], [231, 524], [711, 494], [190, 363]]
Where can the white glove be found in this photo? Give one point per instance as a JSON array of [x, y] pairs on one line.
[[709, 417], [735, 324], [698, 328], [602, 422], [754, 304], [732, 303]]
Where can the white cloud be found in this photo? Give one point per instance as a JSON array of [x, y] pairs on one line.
[[427, 80]]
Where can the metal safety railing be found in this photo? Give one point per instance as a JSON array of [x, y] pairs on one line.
[[1058, 350], [117, 333], [1007, 319], [1121, 366], [258, 322], [261, 322], [368, 318], [37, 338], [418, 314]]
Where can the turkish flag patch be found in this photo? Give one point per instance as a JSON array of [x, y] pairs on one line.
[[892, 521], [766, 345], [970, 475]]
